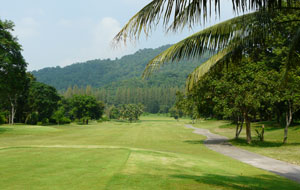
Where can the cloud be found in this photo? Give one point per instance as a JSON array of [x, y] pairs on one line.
[[26, 28], [106, 29], [95, 38]]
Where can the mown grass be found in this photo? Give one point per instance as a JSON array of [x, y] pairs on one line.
[[154, 153], [272, 146]]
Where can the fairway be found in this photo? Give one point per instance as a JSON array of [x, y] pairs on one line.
[[154, 153]]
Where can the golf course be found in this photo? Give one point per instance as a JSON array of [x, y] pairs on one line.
[[156, 152]]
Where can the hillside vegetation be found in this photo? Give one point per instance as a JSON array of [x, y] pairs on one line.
[[123, 72]]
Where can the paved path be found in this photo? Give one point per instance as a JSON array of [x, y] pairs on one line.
[[220, 144]]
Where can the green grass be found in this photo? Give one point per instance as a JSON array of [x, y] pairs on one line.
[[272, 146], [154, 153]]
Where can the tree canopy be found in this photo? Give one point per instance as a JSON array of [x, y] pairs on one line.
[[13, 79]]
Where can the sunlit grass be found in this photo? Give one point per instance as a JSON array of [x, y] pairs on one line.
[[154, 153]]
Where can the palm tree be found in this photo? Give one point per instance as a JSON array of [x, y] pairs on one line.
[[224, 41]]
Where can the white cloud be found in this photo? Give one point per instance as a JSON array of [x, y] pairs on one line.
[[95, 37], [26, 28], [105, 30]]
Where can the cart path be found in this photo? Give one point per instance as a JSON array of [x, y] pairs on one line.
[[220, 144]]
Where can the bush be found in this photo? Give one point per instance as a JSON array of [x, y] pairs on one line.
[[2, 118], [65, 120], [45, 121], [103, 119], [32, 118]]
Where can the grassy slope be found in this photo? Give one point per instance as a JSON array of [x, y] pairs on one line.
[[272, 146], [155, 153]]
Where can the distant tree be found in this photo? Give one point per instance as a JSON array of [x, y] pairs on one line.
[[43, 100], [186, 105], [131, 112], [175, 112], [60, 115], [86, 107], [113, 112], [13, 80], [69, 92], [88, 90]]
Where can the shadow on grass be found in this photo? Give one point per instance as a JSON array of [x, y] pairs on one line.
[[194, 142], [257, 143], [242, 182], [3, 130]]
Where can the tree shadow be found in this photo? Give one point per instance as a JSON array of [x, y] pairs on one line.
[[194, 141], [213, 141], [258, 143], [262, 182], [3, 130]]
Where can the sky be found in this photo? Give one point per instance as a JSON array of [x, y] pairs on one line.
[[62, 32]]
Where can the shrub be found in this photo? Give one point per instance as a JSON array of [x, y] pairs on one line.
[[2, 118], [32, 118]]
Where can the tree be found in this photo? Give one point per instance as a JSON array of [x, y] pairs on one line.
[[186, 105], [60, 115], [13, 79], [131, 112], [86, 107], [43, 100], [291, 99], [113, 112]]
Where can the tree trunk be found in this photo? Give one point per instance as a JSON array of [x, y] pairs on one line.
[[239, 127], [13, 110], [263, 133], [248, 128], [289, 118]]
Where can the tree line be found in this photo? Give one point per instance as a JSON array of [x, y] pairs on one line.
[[154, 100]]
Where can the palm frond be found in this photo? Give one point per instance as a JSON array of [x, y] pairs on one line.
[[211, 40], [229, 54], [148, 17], [185, 12]]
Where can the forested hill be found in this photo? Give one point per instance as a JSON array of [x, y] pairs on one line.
[[123, 72]]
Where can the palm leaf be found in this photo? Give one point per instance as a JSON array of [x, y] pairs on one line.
[[185, 12], [213, 39]]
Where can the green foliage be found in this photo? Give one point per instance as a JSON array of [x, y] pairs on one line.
[[175, 112], [32, 118], [2, 118], [120, 73], [131, 112], [85, 107], [59, 116], [113, 112], [42, 99], [155, 99], [13, 79], [186, 105]]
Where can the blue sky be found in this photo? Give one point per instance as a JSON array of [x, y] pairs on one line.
[[62, 32]]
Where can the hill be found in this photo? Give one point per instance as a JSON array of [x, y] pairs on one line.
[[123, 72]]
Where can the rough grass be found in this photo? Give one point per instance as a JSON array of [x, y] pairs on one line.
[[272, 146], [151, 154]]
